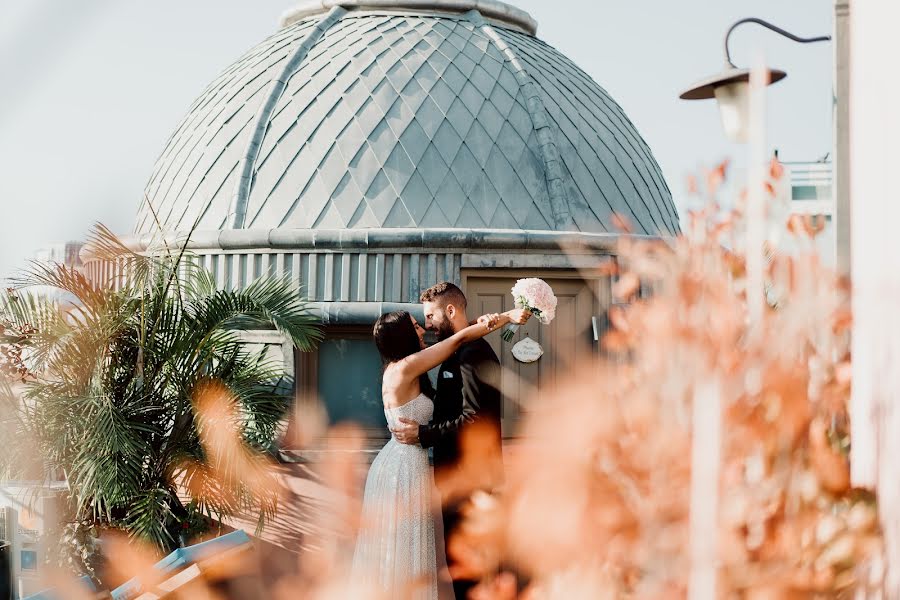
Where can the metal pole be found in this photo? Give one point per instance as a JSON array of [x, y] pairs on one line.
[[755, 209], [776, 29], [841, 186]]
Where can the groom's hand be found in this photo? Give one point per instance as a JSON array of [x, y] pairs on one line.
[[519, 315], [407, 432]]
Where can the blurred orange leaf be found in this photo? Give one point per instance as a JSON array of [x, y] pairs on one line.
[[776, 169], [627, 286]]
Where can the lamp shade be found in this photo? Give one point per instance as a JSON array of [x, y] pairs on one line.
[[731, 89]]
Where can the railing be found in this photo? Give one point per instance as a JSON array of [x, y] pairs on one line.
[[374, 265], [810, 174]]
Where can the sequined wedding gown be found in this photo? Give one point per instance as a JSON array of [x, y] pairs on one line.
[[395, 550]]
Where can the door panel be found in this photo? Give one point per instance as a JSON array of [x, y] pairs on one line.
[[564, 341]]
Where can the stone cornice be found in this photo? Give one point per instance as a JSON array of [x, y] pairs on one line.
[[410, 240]]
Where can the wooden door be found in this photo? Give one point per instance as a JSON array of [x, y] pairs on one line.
[[566, 340]]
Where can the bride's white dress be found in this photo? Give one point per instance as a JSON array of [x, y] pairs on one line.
[[395, 550]]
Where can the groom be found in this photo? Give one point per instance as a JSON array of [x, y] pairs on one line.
[[466, 411]]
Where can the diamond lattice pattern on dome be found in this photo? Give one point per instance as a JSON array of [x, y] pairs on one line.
[[406, 121]]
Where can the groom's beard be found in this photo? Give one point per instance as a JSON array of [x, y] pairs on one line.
[[444, 331]]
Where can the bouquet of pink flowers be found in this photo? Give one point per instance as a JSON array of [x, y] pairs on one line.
[[537, 297]]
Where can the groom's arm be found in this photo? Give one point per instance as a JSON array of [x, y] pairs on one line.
[[481, 398]]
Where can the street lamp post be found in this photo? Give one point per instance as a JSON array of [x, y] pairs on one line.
[[731, 86], [741, 99]]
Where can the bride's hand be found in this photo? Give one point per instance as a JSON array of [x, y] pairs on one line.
[[519, 316], [489, 320]]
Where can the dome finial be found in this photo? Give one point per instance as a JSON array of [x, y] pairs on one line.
[[493, 10]]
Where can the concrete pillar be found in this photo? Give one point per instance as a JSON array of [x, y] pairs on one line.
[[874, 136], [841, 129]]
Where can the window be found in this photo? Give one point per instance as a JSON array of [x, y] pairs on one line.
[[28, 560], [345, 375]]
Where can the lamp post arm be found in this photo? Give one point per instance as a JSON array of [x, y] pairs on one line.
[[776, 29]]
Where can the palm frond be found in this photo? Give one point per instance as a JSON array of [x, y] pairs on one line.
[[120, 365], [11, 428], [131, 268], [200, 283], [264, 303], [68, 282], [38, 321], [150, 516]]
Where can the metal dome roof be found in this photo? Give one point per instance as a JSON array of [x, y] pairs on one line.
[[406, 113]]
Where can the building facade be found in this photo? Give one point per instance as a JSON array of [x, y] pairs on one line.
[[28, 510], [369, 149], [812, 194], [63, 253]]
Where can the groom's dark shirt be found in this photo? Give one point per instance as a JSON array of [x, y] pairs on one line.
[[467, 396]]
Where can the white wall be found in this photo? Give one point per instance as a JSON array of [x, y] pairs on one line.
[[875, 261]]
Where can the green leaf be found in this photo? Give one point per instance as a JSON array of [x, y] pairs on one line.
[[117, 370]]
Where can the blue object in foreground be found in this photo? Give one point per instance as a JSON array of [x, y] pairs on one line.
[[183, 557]]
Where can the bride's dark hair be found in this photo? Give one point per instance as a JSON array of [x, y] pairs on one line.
[[396, 338]]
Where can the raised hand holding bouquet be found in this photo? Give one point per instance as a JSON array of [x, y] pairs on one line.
[[535, 296]]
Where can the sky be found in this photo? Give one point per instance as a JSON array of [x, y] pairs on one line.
[[91, 90]]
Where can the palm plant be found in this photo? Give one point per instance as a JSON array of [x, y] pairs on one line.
[[116, 369]]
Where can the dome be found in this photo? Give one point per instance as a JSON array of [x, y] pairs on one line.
[[406, 114]]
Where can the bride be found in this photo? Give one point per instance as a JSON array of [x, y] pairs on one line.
[[395, 551]]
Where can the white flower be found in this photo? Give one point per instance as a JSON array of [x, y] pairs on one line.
[[534, 294]]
